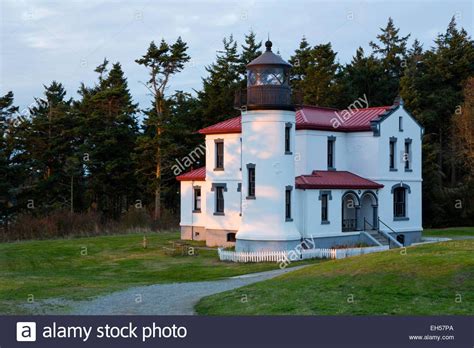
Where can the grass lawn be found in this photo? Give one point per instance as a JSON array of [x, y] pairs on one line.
[[424, 281], [449, 232], [58, 268]]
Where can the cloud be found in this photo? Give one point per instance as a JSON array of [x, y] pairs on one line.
[[37, 13], [40, 40], [226, 20]]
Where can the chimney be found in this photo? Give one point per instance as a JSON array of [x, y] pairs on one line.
[[398, 101]]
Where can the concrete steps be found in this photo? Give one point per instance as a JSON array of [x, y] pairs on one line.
[[379, 238]]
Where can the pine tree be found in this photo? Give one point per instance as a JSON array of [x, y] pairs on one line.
[[300, 62], [363, 76], [250, 51], [217, 95], [180, 143], [110, 131], [44, 142], [162, 63], [391, 50], [7, 170], [433, 90]]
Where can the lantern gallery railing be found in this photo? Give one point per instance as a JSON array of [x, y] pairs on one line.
[[267, 97]]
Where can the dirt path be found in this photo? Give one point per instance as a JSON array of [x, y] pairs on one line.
[[165, 299]]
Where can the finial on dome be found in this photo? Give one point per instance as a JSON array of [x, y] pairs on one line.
[[268, 44]]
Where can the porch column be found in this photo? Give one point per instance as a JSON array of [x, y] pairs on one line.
[[357, 217], [375, 214]]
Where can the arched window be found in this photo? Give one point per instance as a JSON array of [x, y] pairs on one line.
[[399, 202]]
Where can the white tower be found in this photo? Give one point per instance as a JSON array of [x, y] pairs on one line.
[[268, 169]]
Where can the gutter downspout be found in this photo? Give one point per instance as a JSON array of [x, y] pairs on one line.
[[192, 210]]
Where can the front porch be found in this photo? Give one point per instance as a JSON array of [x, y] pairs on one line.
[[359, 213]]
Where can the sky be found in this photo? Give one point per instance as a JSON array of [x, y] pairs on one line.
[[42, 41]]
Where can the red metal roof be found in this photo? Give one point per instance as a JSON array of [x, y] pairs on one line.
[[231, 125], [320, 179], [193, 175], [314, 117], [310, 117]]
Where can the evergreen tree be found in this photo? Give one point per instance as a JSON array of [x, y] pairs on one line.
[[7, 170], [391, 50], [162, 63], [45, 143], [110, 131], [217, 95], [250, 51], [300, 62], [321, 77], [183, 146], [433, 90], [363, 76]]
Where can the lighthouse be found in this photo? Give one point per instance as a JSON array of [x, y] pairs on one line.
[[268, 148]]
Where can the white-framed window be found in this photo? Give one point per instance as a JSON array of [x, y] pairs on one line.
[[407, 155], [219, 189], [392, 153], [288, 203], [288, 138], [331, 154], [399, 202], [219, 154], [251, 181], [197, 199]]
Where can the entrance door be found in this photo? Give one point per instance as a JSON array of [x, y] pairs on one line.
[[350, 204], [368, 211]]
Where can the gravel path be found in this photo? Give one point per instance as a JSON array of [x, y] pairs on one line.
[[166, 299]]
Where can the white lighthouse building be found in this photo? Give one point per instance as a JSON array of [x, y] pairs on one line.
[[268, 176], [283, 173]]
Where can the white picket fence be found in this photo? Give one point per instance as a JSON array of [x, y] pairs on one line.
[[295, 255], [258, 256]]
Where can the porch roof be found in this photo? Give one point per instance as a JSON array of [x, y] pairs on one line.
[[320, 179], [193, 175]]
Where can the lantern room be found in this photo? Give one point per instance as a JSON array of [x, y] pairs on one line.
[[267, 83]]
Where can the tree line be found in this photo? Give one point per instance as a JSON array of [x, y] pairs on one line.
[[91, 154]]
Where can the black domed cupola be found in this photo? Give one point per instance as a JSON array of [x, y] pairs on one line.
[[268, 82]]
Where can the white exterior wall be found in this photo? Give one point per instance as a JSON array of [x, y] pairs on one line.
[[311, 148], [188, 218], [389, 128], [231, 176], [311, 213], [263, 134], [366, 155], [362, 150], [262, 219]]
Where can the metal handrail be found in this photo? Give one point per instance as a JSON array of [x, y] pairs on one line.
[[368, 223], [396, 242]]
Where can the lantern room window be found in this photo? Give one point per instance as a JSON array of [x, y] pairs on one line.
[[267, 83], [277, 76]]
